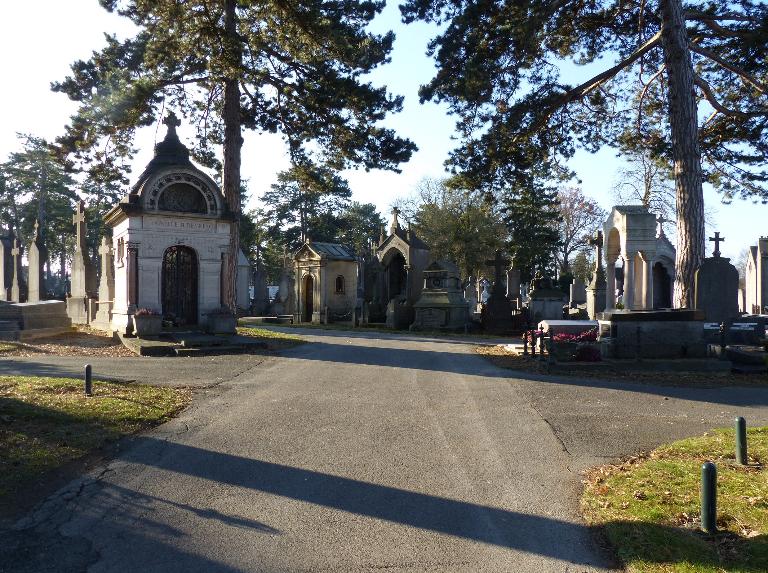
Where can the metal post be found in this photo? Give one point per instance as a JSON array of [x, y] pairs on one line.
[[533, 343], [88, 380], [525, 343], [709, 497], [541, 346], [741, 440], [551, 347], [722, 341]]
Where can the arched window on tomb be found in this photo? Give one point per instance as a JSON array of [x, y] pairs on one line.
[[339, 284], [183, 198]]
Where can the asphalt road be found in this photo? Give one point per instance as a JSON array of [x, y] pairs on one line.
[[365, 452]]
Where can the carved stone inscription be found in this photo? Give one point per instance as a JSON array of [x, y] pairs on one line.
[[168, 223]]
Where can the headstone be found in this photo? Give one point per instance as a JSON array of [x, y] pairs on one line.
[[497, 310], [106, 286], [470, 294], [578, 292], [485, 293], [83, 282], [441, 305], [16, 282], [6, 268], [596, 289], [37, 256], [513, 286], [717, 286], [546, 302]]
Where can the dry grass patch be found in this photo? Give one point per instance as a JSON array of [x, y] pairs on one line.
[[275, 340], [48, 422], [649, 507], [85, 342]]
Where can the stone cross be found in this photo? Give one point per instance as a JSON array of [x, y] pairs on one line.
[[499, 263], [172, 122], [597, 242], [717, 239], [78, 219], [661, 220], [395, 223], [36, 256], [15, 286]]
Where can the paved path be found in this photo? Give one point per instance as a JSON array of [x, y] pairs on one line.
[[365, 452]]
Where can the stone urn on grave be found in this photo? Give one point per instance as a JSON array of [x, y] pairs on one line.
[[147, 322]]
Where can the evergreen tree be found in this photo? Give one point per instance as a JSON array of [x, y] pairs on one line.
[[500, 65], [305, 203], [268, 66], [360, 225], [531, 213]]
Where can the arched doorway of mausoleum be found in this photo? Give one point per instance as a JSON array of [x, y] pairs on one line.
[[179, 285], [309, 298]]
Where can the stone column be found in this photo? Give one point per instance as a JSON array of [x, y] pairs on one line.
[[648, 283], [610, 287], [629, 281], [4, 264], [16, 281], [513, 285], [106, 286]]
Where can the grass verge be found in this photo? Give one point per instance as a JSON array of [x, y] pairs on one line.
[[383, 328], [649, 508], [46, 423], [275, 340], [5, 346]]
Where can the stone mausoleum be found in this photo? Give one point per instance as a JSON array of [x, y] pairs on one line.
[[170, 235], [326, 283]]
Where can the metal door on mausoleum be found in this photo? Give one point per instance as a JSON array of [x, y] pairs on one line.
[[179, 278]]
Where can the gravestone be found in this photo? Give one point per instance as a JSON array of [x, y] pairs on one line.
[[513, 286], [83, 282], [546, 302], [596, 290], [103, 318], [496, 315], [37, 256], [470, 295], [16, 281], [717, 286], [485, 290], [578, 291], [6, 268], [441, 305]]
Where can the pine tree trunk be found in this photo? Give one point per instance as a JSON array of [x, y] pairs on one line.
[[233, 142], [685, 149]]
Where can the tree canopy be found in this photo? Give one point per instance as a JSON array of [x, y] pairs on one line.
[[686, 83], [292, 68]]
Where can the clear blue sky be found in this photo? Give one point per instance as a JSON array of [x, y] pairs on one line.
[[39, 39]]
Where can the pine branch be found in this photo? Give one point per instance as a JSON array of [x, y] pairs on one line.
[[703, 17], [652, 79], [584, 89], [754, 82], [713, 101]]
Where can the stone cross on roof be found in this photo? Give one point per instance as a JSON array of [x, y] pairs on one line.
[[79, 221], [395, 225], [498, 263], [16, 250], [172, 121], [717, 239], [661, 220], [597, 242]]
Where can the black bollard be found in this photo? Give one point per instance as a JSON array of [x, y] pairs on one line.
[[722, 341], [525, 343], [533, 343], [741, 440], [88, 381], [709, 497], [541, 346]]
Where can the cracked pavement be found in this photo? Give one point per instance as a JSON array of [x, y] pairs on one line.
[[359, 452]]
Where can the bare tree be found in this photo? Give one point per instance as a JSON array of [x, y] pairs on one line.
[[581, 215], [648, 182]]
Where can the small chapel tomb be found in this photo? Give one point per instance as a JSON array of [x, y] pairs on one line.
[[326, 283]]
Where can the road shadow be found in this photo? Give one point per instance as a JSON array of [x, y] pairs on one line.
[[472, 364]]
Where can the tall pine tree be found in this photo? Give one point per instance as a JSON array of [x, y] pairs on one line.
[[293, 68], [500, 67]]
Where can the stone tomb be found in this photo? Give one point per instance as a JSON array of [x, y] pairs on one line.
[[83, 283], [325, 283], [546, 302], [756, 279], [441, 305], [717, 286], [170, 236], [578, 292], [675, 333], [403, 257], [596, 288]]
